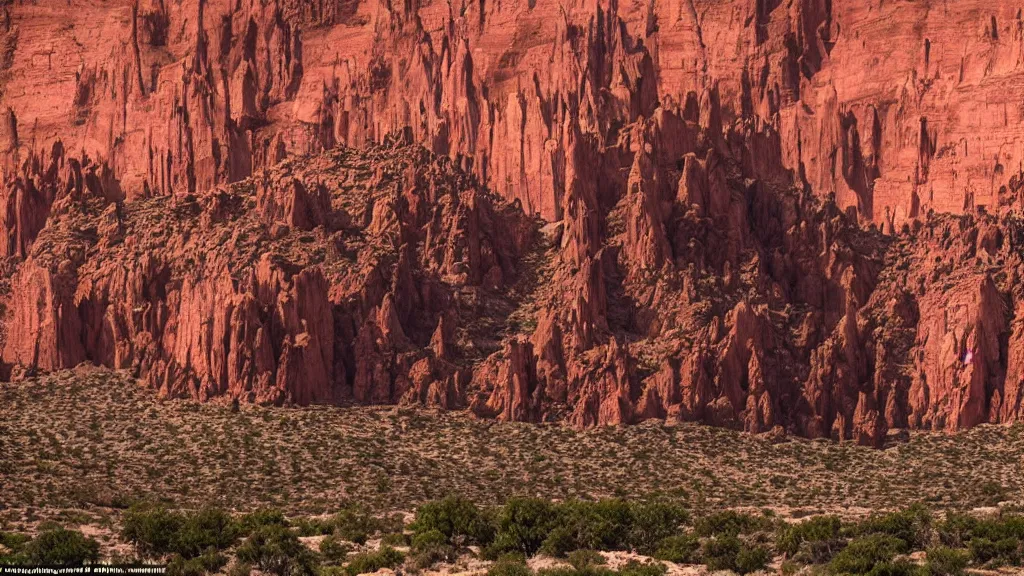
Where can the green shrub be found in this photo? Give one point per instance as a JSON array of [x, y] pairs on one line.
[[523, 525], [314, 526], [957, 529], [368, 562], [584, 559], [510, 565], [634, 568], [1004, 551], [1001, 528], [912, 526], [333, 551], [560, 541], [61, 547], [652, 522], [944, 561], [569, 571], [151, 529], [681, 549], [730, 523], [458, 519], [720, 552], [204, 529], [430, 548], [14, 543], [240, 569], [581, 525], [424, 559], [817, 529], [752, 559], [156, 531], [355, 524], [429, 539], [395, 539], [864, 553], [612, 524], [206, 563], [262, 517], [276, 549]]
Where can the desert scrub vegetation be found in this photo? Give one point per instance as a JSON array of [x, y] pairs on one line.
[[305, 461], [575, 536], [55, 546]]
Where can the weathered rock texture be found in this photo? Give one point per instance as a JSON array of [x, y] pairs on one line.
[[764, 214]]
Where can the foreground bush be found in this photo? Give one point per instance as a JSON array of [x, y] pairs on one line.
[[729, 523], [276, 549], [817, 529], [259, 518], [814, 541], [61, 547], [157, 531], [584, 559], [995, 553], [720, 552], [510, 565], [151, 529], [912, 526], [945, 561], [368, 562], [205, 529], [207, 563], [431, 547], [14, 544], [634, 568], [682, 549], [457, 519], [522, 526], [865, 553], [355, 524], [751, 559], [333, 550]]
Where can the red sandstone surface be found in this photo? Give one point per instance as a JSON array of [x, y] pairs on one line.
[[797, 215]]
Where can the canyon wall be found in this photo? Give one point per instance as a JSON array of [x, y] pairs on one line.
[[775, 216], [896, 107]]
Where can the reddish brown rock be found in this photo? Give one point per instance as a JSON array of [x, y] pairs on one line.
[[798, 217]]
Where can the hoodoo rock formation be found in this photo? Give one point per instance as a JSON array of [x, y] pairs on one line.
[[799, 215]]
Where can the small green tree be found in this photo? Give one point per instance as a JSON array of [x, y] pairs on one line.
[[682, 549], [333, 550], [864, 553], [151, 529], [276, 549], [652, 522], [431, 547], [510, 565], [523, 525], [369, 562], [458, 519], [720, 552], [752, 558], [202, 530], [62, 548], [945, 561]]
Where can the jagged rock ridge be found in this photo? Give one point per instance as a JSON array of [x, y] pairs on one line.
[[738, 206]]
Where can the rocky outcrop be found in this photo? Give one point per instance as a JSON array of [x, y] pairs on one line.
[[797, 216], [863, 103], [265, 290]]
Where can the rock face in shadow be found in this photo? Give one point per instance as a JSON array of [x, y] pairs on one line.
[[797, 216]]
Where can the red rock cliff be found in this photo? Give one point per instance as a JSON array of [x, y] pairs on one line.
[[752, 213]]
